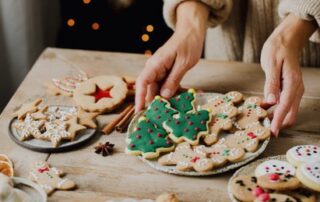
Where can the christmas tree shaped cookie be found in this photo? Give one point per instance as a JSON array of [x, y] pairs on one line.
[[159, 111], [148, 140], [184, 102]]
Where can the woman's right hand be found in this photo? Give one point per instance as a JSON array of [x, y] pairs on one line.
[[166, 68]]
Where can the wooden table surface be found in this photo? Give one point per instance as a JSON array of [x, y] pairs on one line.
[[120, 175]]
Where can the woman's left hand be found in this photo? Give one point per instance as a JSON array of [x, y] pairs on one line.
[[280, 62]]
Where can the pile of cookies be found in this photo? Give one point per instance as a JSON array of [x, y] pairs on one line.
[[51, 123], [277, 180], [191, 134]]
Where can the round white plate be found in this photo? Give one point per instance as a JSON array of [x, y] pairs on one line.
[[201, 99], [46, 146]]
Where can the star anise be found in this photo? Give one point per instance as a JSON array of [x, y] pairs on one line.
[[104, 149]]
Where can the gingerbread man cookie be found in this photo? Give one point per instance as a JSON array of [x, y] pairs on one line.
[[247, 139], [101, 93], [309, 175], [220, 154], [303, 154], [186, 159], [148, 140], [250, 113], [49, 178]]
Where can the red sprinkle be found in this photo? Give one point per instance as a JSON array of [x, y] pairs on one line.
[[274, 177], [149, 130], [190, 123], [159, 135], [257, 191], [251, 135], [264, 197], [150, 142], [132, 145], [138, 136], [195, 159]]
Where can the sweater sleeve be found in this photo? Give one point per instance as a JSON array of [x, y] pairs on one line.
[[305, 9], [219, 11]]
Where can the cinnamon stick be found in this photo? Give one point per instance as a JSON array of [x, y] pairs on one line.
[[110, 126], [122, 125]]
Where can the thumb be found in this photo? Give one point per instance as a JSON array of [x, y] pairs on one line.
[[272, 85], [172, 83]]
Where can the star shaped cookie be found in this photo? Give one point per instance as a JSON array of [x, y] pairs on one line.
[[27, 108]]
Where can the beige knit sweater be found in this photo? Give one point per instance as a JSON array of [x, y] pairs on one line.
[[239, 28]]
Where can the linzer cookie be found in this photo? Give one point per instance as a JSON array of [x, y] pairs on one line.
[[303, 154], [49, 178], [148, 140], [309, 175], [185, 159], [101, 93]]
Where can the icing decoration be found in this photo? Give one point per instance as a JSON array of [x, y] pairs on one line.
[[188, 126], [274, 177], [69, 84], [148, 138], [29, 128], [100, 93], [257, 191], [305, 153], [184, 102], [275, 166], [159, 111], [55, 132], [311, 171]]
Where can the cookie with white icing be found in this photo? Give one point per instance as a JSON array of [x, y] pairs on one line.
[[278, 181], [49, 178], [274, 166], [309, 175], [185, 158], [303, 154]]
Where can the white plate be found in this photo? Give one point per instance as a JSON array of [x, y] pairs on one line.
[[201, 99]]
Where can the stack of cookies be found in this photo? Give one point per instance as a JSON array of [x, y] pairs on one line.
[[191, 134], [51, 123], [289, 181]]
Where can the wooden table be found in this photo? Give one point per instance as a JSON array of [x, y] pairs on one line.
[[120, 175]]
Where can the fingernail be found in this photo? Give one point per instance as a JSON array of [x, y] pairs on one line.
[[276, 133], [271, 98], [166, 93]]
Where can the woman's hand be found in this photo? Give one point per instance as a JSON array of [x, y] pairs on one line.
[[280, 62], [166, 68]]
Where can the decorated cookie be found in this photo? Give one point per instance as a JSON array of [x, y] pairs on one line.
[[73, 127], [274, 166], [49, 178], [40, 113], [309, 175], [303, 195], [148, 140], [56, 132], [247, 139], [303, 154], [188, 127], [28, 128], [243, 187], [101, 93], [184, 102], [274, 197], [159, 111], [278, 181], [186, 159], [27, 109], [250, 113], [220, 154], [54, 113], [218, 103]]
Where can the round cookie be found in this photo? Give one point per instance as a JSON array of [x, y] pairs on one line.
[[101, 93], [243, 186], [278, 181], [303, 154], [266, 197], [309, 175], [303, 195], [274, 166]]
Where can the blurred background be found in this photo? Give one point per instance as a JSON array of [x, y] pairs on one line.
[[28, 26]]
